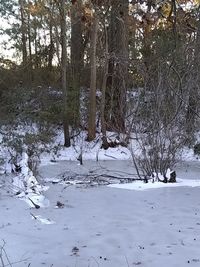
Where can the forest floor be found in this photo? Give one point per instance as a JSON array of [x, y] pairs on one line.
[[101, 225]]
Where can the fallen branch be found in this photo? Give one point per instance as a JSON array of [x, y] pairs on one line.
[[34, 217], [34, 204], [98, 178], [4, 259]]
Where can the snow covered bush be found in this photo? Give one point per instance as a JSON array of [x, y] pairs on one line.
[[31, 140]]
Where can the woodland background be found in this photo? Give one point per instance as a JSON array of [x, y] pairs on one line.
[[130, 67]]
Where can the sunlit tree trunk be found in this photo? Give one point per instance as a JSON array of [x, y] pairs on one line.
[[51, 46]]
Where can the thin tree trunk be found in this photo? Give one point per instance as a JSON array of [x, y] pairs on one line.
[[35, 45], [103, 97], [57, 44], [93, 73], [63, 72], [51, 46], [30, 50], [23, 36]]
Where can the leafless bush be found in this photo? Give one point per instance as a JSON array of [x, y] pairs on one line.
[[158, 126], [156, 151]]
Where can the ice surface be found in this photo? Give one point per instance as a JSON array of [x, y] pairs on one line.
[[107, 226]]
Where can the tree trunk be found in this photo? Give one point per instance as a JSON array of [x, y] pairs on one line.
[[35, 47], [76, 61], [103, 97], [93, 73], [51, 45], [118, 66], [30, 50], [192, 109], [23, 36], [63, 72]]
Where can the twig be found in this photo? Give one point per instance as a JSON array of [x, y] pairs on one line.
[[127, 261], [35, 205], [95, 261], [110, 156], [3, 251], [9, 263], [1, 258], [33, 216]]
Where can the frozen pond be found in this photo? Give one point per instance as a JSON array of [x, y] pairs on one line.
[[187, 170], [104, 226]]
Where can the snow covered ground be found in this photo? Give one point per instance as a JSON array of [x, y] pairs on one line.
[[103, 226], [139, 185], [93, 151]]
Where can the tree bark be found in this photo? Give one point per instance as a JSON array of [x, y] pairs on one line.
[[51, 45], [76, 61], [63, 72], [23, 35], [103, 97], [93, 73], [118, 66], [30, 50], [192, 109]]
